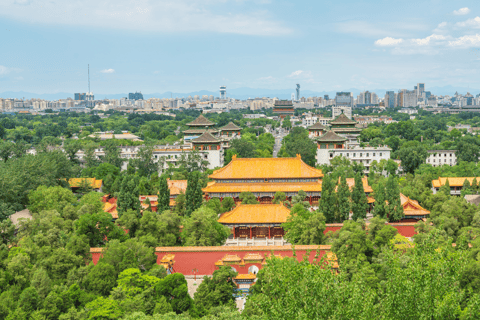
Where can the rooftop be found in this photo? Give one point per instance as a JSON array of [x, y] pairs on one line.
[[317, 126], [244, 248], [201, 121], [230, 127], [331, 136], [411, 207], [452, 181], [256, 213], [342, 119], [215, 187], [91, 182], [206, 137], [177, 186], [266, 168]]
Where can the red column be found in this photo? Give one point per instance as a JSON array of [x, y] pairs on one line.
[[269, 235], [310, 200], [234, 229], [251, 233]]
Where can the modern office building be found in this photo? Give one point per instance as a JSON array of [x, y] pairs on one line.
[[344, 99], [390, 99], [135, 96], [80, 96]]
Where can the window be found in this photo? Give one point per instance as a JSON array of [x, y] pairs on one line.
[[380, 154], [367, 155], [361, 154], [374, 154], [331, 155], [445, 155], [354, 155], [348, 155], [433, 160]]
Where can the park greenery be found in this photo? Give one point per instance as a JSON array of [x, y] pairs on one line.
[[46, 269]]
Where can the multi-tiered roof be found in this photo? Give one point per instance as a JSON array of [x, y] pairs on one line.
[[343, 125]]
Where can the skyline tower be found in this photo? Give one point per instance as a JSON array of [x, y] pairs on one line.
[[223, 92], [298, 92]]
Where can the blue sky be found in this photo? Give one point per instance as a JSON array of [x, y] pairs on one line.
[[182, 46]]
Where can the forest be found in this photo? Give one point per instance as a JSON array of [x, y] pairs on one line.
[[45, 263]]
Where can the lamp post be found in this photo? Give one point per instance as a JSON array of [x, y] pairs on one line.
[[195, 270]]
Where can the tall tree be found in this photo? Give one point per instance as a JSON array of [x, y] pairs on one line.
[[128, 196], [279, 197], [412, 157], [248, 198], [163, 196], [359, 199], [380, 197], [203, 229], [343, 199], [394, 208], [71, 147], [112, 153], [192, 199], [327, 201], [144, 163]]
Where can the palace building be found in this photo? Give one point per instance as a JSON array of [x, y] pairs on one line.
[[283, 108], [346, 127], [412, 210], [197, 127], [316, 130], [264, 177], [456, 184], [256, 224]]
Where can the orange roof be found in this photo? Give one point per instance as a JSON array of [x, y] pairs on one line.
[[366, 187], [452, 181], [370, 200], [247, 276], [411, 207], [177, 186], [78, 182], [264, 168], [214, 187], [253, 256], [256, 213], [111, 208]]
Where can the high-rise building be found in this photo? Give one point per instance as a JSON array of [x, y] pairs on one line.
[[344, 99], [297, 91], [420, 88], [409, 98], [390, 99], [80, 96], [135, 96], [223, 92], [326, 97], [89, 96]]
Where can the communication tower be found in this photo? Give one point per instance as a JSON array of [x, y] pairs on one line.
[[298, 92], [223, 92]]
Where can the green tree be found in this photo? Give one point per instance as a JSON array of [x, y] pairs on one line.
[[50, 198], [98, 227], [202, 229], [71, 147], [380, 209], [412, 157], [304, 227], [248, 198], [216, 291], [103, 309], [129, 254], [180, 204], [6, 150], [227, 204], [128, 196], [112, 153], [101, 279], [193, 194], [279, 197], [163, 196], [359, 199], [327, 203], [159, 230], [243, 148], [174, 288], [343, 199], [394, 208]]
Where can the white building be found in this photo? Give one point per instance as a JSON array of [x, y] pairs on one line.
[[441, 157], [310, 121]]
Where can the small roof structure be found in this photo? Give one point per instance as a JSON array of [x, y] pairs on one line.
[[453, 181], [206, 137], [200, 130], [177, 186], [256, 213], [111, 207], [366, 186], [342, 119], [317, 126], [331, 136], [266, 168], [230, 127], [24, 214], [201, 121], [411, 207], [78, 182]]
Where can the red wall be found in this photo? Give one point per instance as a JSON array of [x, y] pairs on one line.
[[406, 229], [204, 258], [95, 256]]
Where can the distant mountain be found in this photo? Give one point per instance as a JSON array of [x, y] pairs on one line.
[[238, 93]]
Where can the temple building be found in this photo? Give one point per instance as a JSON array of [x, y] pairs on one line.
[[456, 184], [264, 177], [283, 108], [211, 148], [317, 130], [197, 127], [256, 224], [346, 127], [85, 183], [412, 210], [326, 143], [230, 130]]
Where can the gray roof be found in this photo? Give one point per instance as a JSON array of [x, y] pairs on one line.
[[200, 121], [206, 137], [230, 127], [20, 214], [473, 199], [317, 126], [331, 136], [342, 119]]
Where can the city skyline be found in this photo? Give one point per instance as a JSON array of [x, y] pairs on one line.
[[189, 46]]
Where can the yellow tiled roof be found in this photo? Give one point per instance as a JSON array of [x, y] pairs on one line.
[[247, 276], [411, 207], [177, 186], [366, 187], [78, 182], [256, 213], [263, 187], [253, 256], [452, 181], [111, 208], [265, 168]]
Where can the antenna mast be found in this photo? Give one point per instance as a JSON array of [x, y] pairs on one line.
[[89, 78]]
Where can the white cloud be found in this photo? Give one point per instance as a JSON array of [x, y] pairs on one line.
[[388, 41], [428, 40], [461, 11], [295, 73], [466, 41], [470, 23], [108, 71], [4, 70], [164, 16]]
